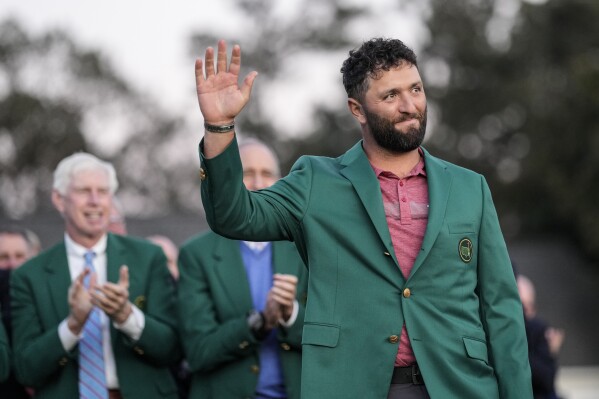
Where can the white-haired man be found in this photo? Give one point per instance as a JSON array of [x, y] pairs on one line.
[[84, 323]]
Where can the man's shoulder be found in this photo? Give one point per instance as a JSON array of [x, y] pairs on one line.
[[131, 241], [536, 324], [433, 161], [32, 265], [318, 160], [139, 248], [202, 240], [321, 163]]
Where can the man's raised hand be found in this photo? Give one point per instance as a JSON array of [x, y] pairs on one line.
[[220, 97]]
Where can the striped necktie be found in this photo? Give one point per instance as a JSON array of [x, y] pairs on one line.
[[92, 375]]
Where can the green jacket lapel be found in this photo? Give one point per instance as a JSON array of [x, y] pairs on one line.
[[228, 266], [58, 278], [439, 183], [114, 258], [360, 173]]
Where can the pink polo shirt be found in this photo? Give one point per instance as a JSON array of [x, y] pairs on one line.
[[406, 209]]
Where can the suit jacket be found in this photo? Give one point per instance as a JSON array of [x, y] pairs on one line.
[[9, 387], [543, 365], [39, 290], [214, 299], [4, 354], [460, 303]]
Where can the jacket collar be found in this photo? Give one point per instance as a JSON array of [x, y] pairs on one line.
[[358, 171]]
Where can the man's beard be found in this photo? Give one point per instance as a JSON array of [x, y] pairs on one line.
[[392, 139]]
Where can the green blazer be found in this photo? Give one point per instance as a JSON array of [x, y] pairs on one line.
[[39, 290], [462, 313], [4, 354], [213, 300]]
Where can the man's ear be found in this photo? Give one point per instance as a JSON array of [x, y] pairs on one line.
[[356, 110], [58, 201]]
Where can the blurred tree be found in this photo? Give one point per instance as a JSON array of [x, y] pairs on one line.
[[57, 98], [511, 87], [514, 86]]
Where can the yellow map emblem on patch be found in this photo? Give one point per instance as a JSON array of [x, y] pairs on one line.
[[140, 302], [465, 250]]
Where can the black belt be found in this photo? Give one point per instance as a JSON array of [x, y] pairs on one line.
[[407, 375]]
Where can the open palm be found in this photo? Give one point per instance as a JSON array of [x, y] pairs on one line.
[[220, 97]]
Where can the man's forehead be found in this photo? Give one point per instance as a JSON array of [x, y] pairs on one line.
[[407, 72], [90, 177], [259, 169], [258, 158], [6, 237]]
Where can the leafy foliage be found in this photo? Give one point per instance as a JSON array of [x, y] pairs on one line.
[[513, 91], [523, 111], [57, 98]]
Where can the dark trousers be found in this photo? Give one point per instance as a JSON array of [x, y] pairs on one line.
[[407, 391]]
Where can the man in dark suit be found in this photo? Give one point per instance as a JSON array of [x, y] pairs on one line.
[[4, 354], [93, 316], [411, 288], [15, 249], [241, 306], [544, 343]]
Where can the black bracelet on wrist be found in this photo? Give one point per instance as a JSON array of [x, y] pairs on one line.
[[219, 128]]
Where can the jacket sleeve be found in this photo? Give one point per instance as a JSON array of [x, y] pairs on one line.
[[501, 308], [38, 352], [4, 354], [159, 343], [272, 214], [207, 341]]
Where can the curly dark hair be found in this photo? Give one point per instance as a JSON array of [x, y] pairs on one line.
[[370, 59]]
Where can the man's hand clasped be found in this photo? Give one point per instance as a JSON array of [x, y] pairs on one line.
[[110, 298]]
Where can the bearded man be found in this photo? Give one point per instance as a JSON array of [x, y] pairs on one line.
[[411, 290]]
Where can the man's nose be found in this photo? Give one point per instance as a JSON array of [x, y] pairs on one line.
[[407, 105], [93, 197]]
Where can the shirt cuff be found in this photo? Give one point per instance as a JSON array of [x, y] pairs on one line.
[[293, 317], [133, 327], [66, 336]]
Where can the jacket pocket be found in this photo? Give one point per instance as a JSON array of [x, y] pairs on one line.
[[476, 349], [320, 334], [461, 228]]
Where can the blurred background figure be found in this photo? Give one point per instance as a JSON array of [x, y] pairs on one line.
[[16, 246], [239, 339], [81, 325], [116, 222], [170, 251], [4, 357], [544, 343]]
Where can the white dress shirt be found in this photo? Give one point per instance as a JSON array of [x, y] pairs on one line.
[[132, 327]]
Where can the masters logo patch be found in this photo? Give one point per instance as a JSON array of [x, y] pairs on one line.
[[465, 250]]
